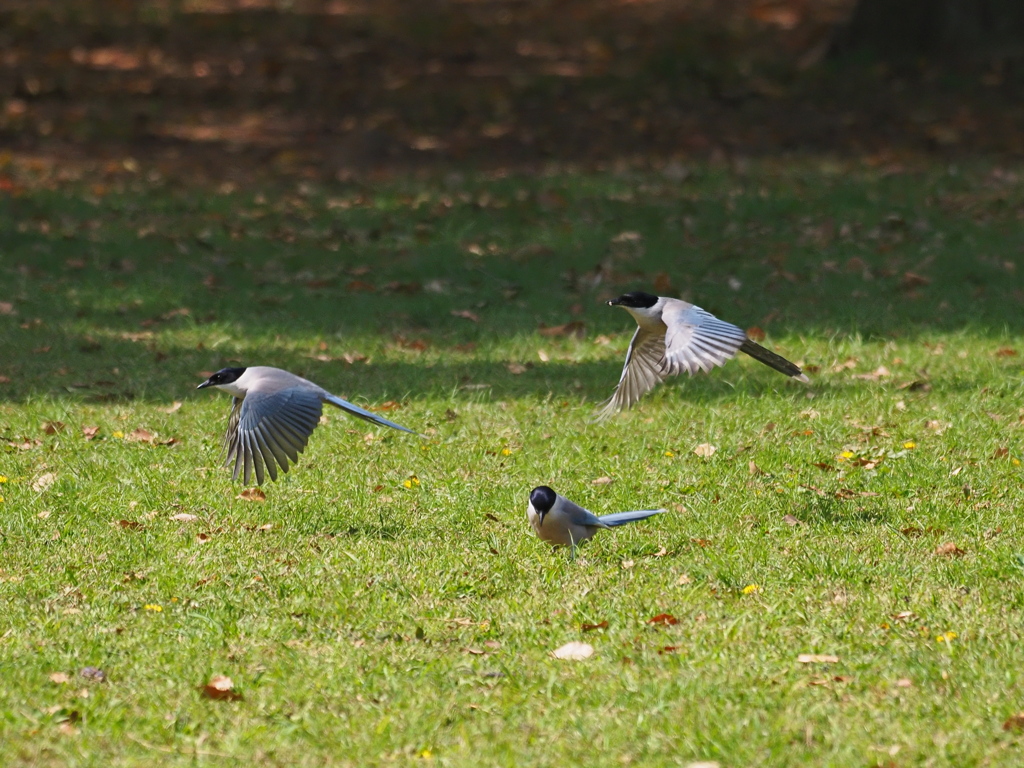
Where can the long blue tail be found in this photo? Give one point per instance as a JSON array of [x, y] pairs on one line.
[[621, 518], [355, 410]]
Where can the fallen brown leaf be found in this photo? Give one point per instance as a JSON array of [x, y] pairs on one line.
[[705, 450], [663, 285], [90, 432], [575, 328], [602, 480], [59, 677], [790, 520], [755, 334], [6, 308], [1006, 352], [53, 427], [43, 482], [1014, 722], [172, 408], [516, 368], [252, 494], [574, 651], [592, 627], [949, 549], [466, 314], [183, 517], [220, 688], [665, 619], [133, 525], [904, 682], [140, 435], [817, 658]]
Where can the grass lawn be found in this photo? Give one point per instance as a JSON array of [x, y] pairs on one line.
[[387, 604]]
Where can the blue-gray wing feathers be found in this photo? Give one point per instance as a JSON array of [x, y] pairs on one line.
[[266, 430]]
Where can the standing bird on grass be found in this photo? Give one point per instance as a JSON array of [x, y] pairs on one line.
[[673, 336], [272, 416], [559, 522]]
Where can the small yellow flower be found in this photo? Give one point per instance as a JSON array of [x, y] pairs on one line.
[[845, 455], [153, 607], [884, 625], [1016, 462], [669, 454], [909, 445], [946, 637], [174, 599], [1, 499], [506, 452], [413, 480], [426, 754], [751, 589], [3, 479], [118, 433]]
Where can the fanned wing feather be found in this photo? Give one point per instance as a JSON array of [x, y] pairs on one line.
[[696, 340], [642, 372], [267, 429]]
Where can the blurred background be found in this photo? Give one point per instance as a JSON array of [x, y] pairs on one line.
[[341, 89]]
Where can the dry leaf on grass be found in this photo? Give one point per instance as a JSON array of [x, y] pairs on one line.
[[516, 368], [43, 482], [252, 494], [574, 651], [602, 481], [59, 677], [1014, 722], [90, 432], [705, 450], [592, 627], [132, 525], [949, 549], [140, 435], [172, 407], [53, 427], [817, 658], [466, 314], [904, 682], [754, 333], [664, 619], [183, 517], [790, 520], [6, 308], [220, 688], [574, 328]]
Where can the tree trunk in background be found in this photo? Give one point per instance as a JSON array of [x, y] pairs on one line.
[[900, 29]]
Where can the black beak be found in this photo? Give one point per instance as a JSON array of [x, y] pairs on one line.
[[541, 516], [206, 383], [614, 302]]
